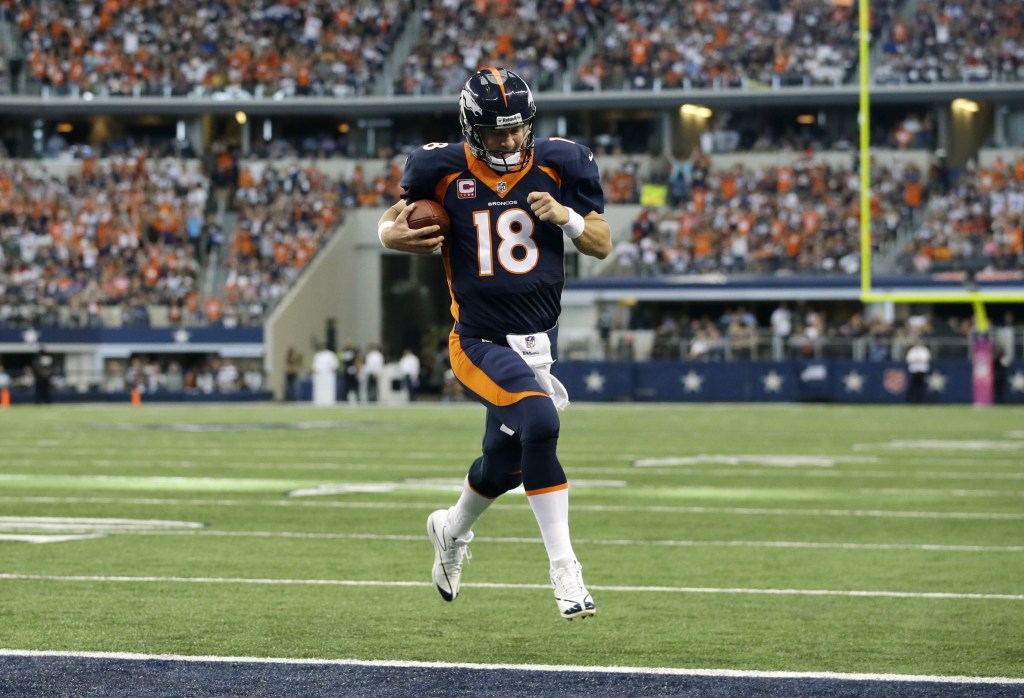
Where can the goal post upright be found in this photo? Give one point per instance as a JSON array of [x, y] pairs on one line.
[[969, 294], [869, 293], [864, 121]]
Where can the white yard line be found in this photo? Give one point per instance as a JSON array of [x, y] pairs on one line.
[[944, 595], [554, 668], [74, 528], [810, 545], [293, 466], [743, 511]]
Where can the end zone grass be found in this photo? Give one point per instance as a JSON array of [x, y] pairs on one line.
[[899, 548]]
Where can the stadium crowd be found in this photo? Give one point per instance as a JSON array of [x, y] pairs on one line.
[[98, 247], [281, 48], [978, 221], [285, 213], [134, 235], [536, 39], [131, 239], [665, 44], [956, 41], [230, 48], [137, 233], [796, 218]]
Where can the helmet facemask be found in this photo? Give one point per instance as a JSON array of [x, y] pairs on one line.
[[516, 161]]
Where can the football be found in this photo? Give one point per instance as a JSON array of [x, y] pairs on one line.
[[428, 212]]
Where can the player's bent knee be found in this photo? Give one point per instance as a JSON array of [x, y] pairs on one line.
[[494, 477], [540, 421]]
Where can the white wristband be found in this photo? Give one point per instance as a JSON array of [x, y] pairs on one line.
[[382, 228], [573, 227]]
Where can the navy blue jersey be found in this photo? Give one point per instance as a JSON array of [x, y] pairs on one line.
[[505, 267]]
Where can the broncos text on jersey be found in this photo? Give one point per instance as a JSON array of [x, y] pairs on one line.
[[505, 267]]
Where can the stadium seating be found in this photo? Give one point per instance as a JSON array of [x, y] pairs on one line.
[[174, 49], [399, 47], [156, 233]]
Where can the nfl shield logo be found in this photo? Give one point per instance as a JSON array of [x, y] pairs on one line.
[[502, 187], [531, 342], [894, 380]]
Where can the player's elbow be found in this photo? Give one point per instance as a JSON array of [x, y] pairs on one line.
[[602, 249]]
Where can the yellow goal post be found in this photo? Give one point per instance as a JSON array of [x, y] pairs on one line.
[[868, 292]]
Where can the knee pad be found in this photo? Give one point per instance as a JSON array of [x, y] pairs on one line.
[[538, 421], [540, 427], [494, 477]]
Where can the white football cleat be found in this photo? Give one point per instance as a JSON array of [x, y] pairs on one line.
[[449, 554], [573, 599]]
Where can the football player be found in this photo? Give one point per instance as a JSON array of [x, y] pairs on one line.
[[512, 200]]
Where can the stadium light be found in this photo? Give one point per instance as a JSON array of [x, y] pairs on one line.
[[240, 117], [695, 110], [965, 105]]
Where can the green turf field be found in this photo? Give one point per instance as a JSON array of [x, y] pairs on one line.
[[788, 538]]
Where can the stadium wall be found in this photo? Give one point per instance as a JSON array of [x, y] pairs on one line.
[[330, 303], [832, 381]]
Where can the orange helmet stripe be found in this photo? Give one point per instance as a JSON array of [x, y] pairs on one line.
[[501, 83]]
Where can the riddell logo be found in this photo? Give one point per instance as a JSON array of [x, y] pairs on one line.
[[466, 188], [508, 120]]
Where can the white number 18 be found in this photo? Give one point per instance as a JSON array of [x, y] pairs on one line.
[[517, 252]]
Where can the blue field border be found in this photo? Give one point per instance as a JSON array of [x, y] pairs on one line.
[[35, 675]]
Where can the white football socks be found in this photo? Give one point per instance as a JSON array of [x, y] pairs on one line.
[[551, 509], [466, 511]]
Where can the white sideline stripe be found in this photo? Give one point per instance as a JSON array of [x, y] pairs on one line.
[[554, 668], [84, 524], [926, 547], [13, 576], [944, 445], [860, 513], [935, 492], [38, 538], [444, 466]]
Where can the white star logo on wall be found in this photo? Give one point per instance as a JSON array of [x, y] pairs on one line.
[[772, 382], [181, 336], [692, 382], [1017, 382], [854, 382], [30, 336], [936, 382], [594, 382]]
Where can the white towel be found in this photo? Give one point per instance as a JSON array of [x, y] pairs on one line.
[[536, 352]]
